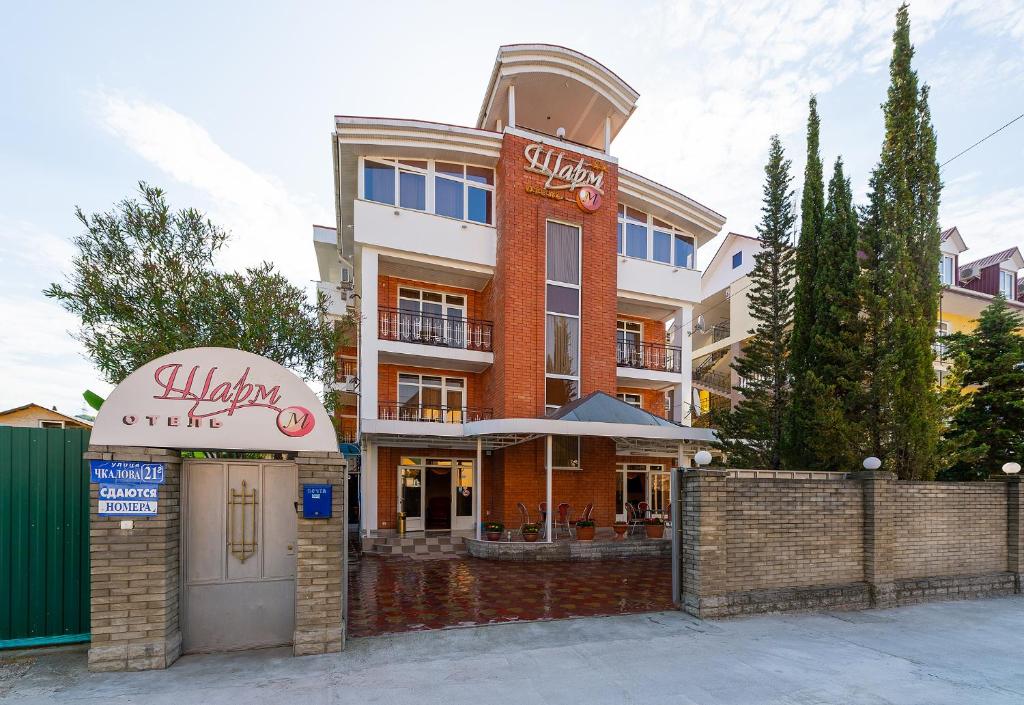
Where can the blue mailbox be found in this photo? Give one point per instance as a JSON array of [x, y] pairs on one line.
[[316, 501]]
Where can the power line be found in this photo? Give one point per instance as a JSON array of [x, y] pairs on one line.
[[981, 140]]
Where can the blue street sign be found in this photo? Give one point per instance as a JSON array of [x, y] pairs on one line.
[[127, 500], [125, 471], [316, 501]]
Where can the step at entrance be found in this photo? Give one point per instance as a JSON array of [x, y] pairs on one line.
[[419, 546]]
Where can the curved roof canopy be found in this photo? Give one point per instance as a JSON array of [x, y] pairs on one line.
[[557, 87]]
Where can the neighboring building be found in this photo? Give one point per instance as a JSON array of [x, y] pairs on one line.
[[36, 416], [969, 288], [722, 324], [509, 280]]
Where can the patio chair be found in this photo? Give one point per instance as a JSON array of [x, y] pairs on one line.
[[562, 519], [585, 516], [644, 509], [524, 517], [633, 518], [543, 509]]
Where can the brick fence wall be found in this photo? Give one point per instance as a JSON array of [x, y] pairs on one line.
[[762, 545]]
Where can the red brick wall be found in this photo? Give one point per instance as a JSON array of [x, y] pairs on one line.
[[517, 387]]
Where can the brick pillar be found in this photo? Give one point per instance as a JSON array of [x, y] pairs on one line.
[[879, 534], [1014, 529], [703, 537], [320, 588], [135, 573]]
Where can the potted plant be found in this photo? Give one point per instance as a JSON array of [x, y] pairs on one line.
[[585, 530], [655, 528], [493, 529], [531, 532], [620, 529]]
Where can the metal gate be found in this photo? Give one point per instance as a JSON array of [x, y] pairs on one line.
[[44, 536], [239, 530]]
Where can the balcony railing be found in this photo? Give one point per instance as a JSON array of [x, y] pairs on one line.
[[719, 381], [430, 413], [649, 356], [431, 329], [720, 331]]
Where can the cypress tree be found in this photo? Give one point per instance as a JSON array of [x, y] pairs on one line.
[[990, 426], [901, 285], [751, 434], [829, 390], [802, 416]]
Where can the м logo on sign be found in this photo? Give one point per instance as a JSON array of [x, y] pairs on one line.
[[125, 471]]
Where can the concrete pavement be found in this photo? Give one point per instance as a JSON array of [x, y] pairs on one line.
[[957, 652]]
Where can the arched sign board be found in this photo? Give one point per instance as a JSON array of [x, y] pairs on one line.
[[215, 398]]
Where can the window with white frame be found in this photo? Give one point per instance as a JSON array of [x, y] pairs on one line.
[[643, 236], [432, 316], [431, 398], [946, 270], [462, 191], [942, 330], [631, 399], [629, 348], [1007, 281]]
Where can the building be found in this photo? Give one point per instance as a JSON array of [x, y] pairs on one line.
[[36, 416], [722, 324], [507, 279], [968, 288], [722, 321]]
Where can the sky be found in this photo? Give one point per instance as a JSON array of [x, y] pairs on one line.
[[229, 107]]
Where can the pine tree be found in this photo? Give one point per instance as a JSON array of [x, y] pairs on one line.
[[990, 426], [900, 282], [802, 414], [751, 434], [825, 431]]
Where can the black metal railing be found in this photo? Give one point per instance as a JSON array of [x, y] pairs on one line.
[[720, 331], [430, 413], [649, 356], [720, 381], [430, 329]]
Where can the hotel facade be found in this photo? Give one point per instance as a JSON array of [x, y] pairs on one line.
[[522, 306]]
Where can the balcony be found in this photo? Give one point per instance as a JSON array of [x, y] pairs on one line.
[[649, 356], [436, 330], [430, 413]]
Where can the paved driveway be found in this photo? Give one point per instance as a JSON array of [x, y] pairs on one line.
[[388, 595], [957, 653]]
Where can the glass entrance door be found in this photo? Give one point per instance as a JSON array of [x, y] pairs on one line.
[[436, 494], [640, 482]]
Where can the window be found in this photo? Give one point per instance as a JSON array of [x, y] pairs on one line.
[[461, 191], [667, 245], [1006, 284], [737, 259], [629, 345], [431, 398], [565, 452], [431, 317], [946, 270], [941, 331], [631, 399], [562, 320], [51, 424]]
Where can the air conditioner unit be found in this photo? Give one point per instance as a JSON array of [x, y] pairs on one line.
[[347, 383], [969, 273]]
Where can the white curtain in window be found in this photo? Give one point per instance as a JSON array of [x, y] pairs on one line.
[[563, 253]]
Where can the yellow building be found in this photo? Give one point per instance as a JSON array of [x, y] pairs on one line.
[[36, 416]]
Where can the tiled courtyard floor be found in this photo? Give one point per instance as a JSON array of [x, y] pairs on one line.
[[389, 595]]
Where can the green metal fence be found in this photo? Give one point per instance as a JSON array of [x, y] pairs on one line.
[[44, 536]]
